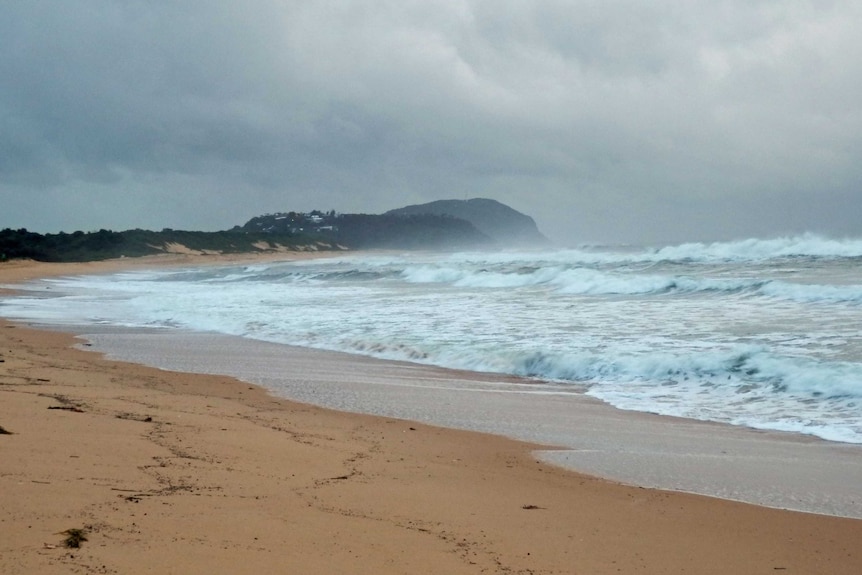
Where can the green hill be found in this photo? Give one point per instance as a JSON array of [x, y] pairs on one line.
[[505, 225], [443, 225]]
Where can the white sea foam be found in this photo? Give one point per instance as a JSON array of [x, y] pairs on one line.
[[590, 281], [808, 245], [763, 333]]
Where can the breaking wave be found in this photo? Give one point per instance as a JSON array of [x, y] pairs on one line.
[[763, 333], [586, 281]]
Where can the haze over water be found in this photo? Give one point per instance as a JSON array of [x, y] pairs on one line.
[[759, 333]]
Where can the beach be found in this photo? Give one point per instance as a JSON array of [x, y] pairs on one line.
[[175, 472]]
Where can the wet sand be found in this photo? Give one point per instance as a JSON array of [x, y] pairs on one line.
[[783, 470], [182, 473]]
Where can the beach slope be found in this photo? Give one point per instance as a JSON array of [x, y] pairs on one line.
[[169, 472]]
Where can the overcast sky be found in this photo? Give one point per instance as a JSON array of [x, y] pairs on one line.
[[632, 121]]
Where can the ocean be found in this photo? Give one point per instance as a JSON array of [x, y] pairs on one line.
[[761, 333]]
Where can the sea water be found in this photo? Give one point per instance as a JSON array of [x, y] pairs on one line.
[[758, 333]]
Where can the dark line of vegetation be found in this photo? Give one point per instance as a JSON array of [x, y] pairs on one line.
[[422, 231], [292, 231], [107, 244], [363, 231]]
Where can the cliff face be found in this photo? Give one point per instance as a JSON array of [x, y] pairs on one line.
[[499, 222]]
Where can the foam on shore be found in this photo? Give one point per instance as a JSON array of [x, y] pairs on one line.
[[779, 470]]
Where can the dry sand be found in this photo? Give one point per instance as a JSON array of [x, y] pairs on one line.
[[171, 472]]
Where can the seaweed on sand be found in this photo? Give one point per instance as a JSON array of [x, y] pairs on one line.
[[74, 537]]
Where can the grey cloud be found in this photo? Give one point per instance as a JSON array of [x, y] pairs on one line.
[[624, 121]]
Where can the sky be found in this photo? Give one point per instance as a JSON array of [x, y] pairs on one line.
[[606, 121]]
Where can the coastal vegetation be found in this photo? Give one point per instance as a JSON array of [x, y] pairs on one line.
[[362, 231], [452, 224], [107, 244]]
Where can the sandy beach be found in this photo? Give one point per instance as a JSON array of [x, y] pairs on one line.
[[172, 472]]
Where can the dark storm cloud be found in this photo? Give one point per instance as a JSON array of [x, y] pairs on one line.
[[606, 121]]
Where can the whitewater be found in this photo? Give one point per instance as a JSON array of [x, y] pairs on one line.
[[761, 333]]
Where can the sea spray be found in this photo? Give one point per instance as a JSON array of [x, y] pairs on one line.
[[762, 333]]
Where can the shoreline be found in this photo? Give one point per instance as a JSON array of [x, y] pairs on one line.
[[19, 271], [782, 470], [224, 475], [581, 433]]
